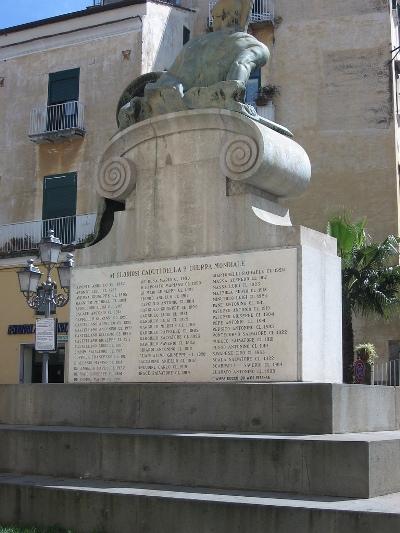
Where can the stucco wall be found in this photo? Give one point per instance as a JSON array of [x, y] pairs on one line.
[[163, 35], [152, 36], [330, 60]]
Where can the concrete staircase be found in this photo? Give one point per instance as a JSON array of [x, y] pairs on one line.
[[201, 458]]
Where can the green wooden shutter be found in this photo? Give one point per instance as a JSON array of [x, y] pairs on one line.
[[63, 86], [59, 201], [59, 195]]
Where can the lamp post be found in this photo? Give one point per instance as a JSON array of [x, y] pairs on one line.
[[46, 295]]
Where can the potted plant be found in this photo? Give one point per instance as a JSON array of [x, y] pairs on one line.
[[365, 354], [266, 94]]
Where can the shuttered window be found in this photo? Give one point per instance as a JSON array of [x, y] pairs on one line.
[[59, 195], [63, 86], [59, 206]]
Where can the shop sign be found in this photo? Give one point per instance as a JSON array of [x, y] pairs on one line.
[[29, 329]]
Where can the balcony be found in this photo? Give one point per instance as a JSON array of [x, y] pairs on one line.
[[263, 11], [57, 122], [24, 237]]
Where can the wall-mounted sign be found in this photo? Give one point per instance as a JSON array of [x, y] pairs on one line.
[[46, 335], [29, 329], [21, 329], [360, 370]]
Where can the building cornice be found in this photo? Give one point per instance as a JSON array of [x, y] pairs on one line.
[[70, 37], [84, 13]]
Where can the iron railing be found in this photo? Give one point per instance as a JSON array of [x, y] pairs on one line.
[[25, 236], [57, 118], [263, 11], [387, 373]]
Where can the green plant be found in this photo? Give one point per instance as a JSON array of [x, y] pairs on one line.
[[266, 94], [370, 278], [269, 91], [88, 240], [366, 352]]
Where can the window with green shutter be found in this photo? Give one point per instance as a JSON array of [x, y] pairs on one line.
[[59, 206], [63, 86], [62, 100]]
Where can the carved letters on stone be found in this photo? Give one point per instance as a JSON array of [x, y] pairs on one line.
[[216, 318]]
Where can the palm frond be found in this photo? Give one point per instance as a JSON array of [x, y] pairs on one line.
[[370, 270], [348, 235]]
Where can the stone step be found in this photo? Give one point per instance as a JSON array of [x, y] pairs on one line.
[[315, 408], [87, 506], [359, 465]]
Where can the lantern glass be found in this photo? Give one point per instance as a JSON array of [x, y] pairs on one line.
[[29, 278], [64, 275], [50, 248], [64, 272]]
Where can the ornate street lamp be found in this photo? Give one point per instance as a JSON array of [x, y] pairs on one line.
[[45, 295]]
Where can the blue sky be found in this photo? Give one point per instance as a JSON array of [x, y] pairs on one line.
[[14, 12]]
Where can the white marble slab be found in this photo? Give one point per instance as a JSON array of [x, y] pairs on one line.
[[231, 317]]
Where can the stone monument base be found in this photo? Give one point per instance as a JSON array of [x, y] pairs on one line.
[[250, 316], [174, 458], [202, 278]]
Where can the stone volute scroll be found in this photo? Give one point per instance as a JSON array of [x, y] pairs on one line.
[[116, 178], [266, 160], [239, 156]]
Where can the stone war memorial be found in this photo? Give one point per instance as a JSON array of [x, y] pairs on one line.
[[204, 388], [202, 277]]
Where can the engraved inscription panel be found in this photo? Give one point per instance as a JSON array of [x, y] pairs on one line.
[[217, 318]]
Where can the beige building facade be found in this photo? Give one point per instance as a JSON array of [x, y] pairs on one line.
[[333, 64], [110, 46], [60, 80], [332, 80]]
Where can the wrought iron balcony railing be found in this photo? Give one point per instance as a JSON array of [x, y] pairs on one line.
[[25, 236], [49, 122], [263, 11], [386, 373]]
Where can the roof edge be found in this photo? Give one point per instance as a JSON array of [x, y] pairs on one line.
[[85, 12]]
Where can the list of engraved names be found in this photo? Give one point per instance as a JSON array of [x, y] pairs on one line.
[[215, 318]]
